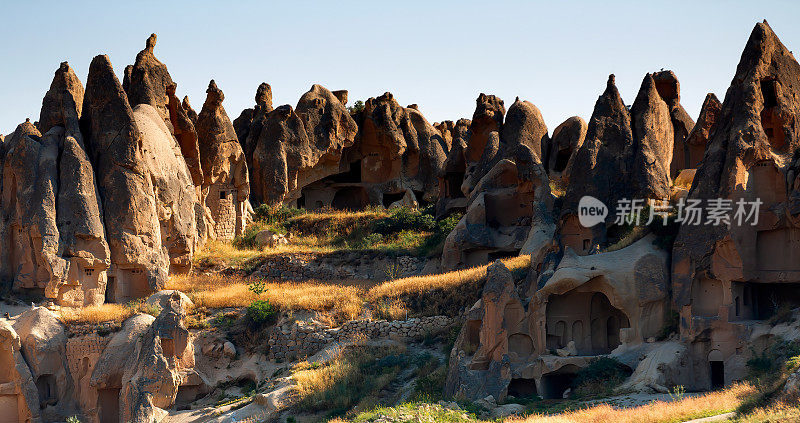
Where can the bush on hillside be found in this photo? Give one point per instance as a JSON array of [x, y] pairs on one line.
[[261, 313]]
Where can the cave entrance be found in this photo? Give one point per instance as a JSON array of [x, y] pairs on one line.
[[46, 386], [350, 198], [606, 321], [555, 384], [108, 401], [454, 181], [389, 198], [771, 121], [111, 286], [352, 176], [562, 158], [522, 388], [717, 374]]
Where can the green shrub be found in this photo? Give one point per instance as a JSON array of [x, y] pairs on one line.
[[405, 219], [434, 243], [272, 215], [261, 313], [600, 377]]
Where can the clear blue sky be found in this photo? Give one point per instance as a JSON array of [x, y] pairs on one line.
[[439, 55]]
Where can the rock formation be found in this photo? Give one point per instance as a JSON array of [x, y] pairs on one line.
[[226, 184], [725, 275], [669, 89], [52, 219], [147, 81], [316, 156], [19, 397], [626, 155], [593, 305], [689, 153], [139, 262], [451, 198], [144, 365], [510, 201], [567, 139]]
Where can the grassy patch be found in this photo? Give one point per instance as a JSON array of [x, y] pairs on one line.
[[600, 377], [108, 312]]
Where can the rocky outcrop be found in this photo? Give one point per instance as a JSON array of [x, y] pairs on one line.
[[625, 156], [689, 154], [43, 345], [512, 197], [567, 139], [144, 364], [114, 143], [173, 189], [451, 198], [669, 89], [52, 218], [484, 141], [724, 274], [17, 387], [522, 340], [226, 185], [147, 81], [524, 125], [653, 142]]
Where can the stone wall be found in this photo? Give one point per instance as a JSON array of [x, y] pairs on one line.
[[222, 200], [346, 265], [298, 339]]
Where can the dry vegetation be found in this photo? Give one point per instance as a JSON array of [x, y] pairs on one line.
[[688, 408], [106, 312], [345, 300]]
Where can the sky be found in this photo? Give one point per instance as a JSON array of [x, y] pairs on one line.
[[439, 55]]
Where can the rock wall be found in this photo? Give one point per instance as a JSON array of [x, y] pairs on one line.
[[338, 266], [293, 340]]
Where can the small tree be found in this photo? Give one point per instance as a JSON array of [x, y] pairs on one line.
[[257, 286]]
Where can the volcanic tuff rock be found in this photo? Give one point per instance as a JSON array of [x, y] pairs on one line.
[[752, 155], [690, 153], [148, 359], [451, 198], [566, 140], [125, 185], [625, 155], [484, 140], [51, 208], [18, 384], [653, 142], [512, 200], [174, 191], [524, 125], [669, 89], [226, 186], [147, 81]]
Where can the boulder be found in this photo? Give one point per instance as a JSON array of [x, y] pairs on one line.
[[226, 186], [139, 262]]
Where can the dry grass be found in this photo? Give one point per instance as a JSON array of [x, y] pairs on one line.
[[106, 312], [96, 314], [783, 412], [217, 291], [345, 299], [709, 404], [421, 284]]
